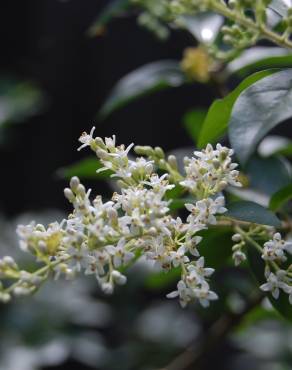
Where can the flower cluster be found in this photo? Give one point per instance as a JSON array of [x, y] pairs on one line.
[[274, 253], [210, 171], [99, 237]]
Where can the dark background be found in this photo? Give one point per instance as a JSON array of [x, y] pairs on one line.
[[45, 41]]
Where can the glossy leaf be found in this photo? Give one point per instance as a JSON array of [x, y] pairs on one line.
[[84, 169], [144, 80], [261, 173], [257, 110], [281, 197], [216, 122], [260, 57], [252, 212], [111, 10]]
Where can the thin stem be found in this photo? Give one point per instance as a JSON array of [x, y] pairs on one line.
[[248, 23]]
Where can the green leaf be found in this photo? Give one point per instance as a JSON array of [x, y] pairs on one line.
[[179, 203], [281, 197], [216, 246], [260, 57], [257, 267], [252, 212], [279, 6], [216, 122], [161, 280], [261, 173], [203, 26], [84, 169], [18, 100], [144, 80], [257, 110], [193, 121], [113, 9]]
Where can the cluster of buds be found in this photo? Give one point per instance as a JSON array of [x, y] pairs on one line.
[[99, 238], [278, 274], [238, 249]]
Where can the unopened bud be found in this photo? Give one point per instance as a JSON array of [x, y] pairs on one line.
[[172, 161], [74, 182], [159, 152], [119, 278], [107, 288], [69, 195], [236, 238]]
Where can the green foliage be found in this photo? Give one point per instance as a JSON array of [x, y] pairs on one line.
[[281, 197], [252, 212], [259, 109], [144, 80], [193, 121], [216, 122], [84, 169]]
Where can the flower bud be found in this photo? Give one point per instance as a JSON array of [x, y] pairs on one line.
[[236, 238], [172, 161], [9, 261], [107, 288], [5, 297], [159, 152], [74, 182], [69, 195], [119, 278]]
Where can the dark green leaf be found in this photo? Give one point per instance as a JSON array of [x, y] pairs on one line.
[[281, 197], [84, 169], [260, 57], [257, 110], [113, 9], [144, 80], [179, 203], [216, 246], [261, 173], [252, 212], [193, 121], [18, 100], [216, 122], [161, 280]]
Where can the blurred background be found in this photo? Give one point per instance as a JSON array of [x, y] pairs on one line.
[[54, 78]]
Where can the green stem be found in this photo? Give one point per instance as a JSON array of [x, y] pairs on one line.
[[248, 23]]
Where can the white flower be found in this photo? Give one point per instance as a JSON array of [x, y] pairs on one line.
[[191, 244], [238, 257], [80, 258], [275, 248], [120, 254], [183, 292], [86, 139], [197, 272], [178, 257], [275, 282], [204, 294], [204, 211]]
